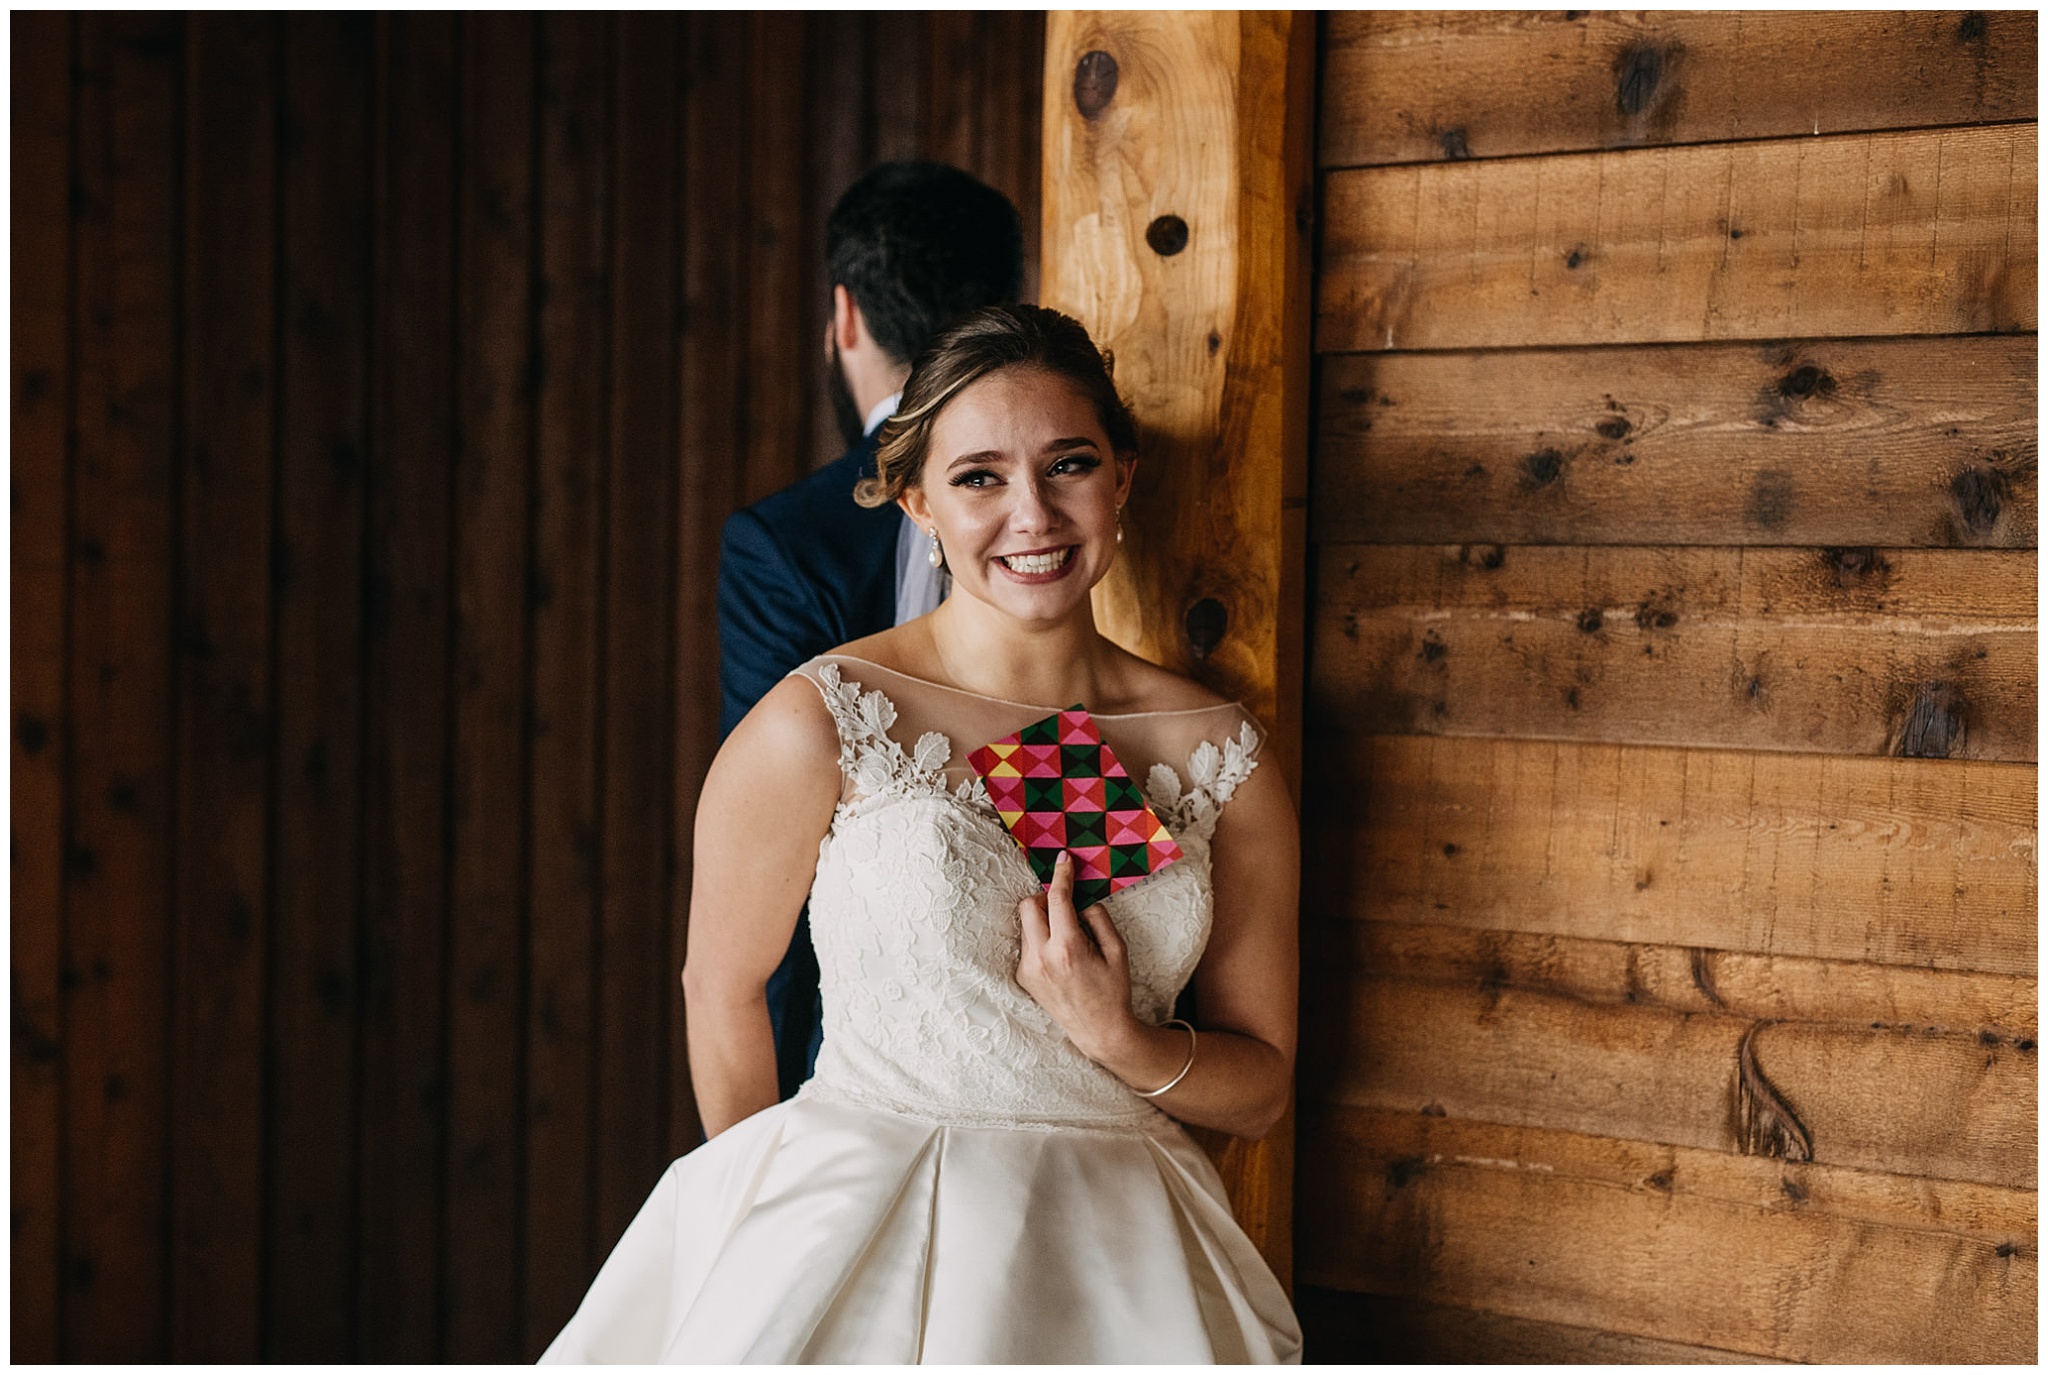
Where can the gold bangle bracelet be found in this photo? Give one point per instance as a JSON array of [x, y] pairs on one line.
[[1175, 1021]]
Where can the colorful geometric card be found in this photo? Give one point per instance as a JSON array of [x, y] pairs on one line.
[[1058, 787]]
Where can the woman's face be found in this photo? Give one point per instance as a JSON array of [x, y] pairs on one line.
[[1020, 482]]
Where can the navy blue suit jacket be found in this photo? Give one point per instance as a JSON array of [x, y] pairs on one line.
[[799, 573]]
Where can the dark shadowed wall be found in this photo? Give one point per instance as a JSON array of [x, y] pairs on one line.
[[379, 388]]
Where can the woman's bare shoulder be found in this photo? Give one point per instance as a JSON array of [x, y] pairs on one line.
[[1148, 687]]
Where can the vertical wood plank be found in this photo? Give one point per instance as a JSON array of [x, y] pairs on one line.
[[324, 335], [896, 62], [781, 338], [40, 266], [838, 109], [714, 261], [1209, 123], [494, 429], [401, 1189], [571, 479], [223, 646], [636, 981], [118, 823], [951, 109]]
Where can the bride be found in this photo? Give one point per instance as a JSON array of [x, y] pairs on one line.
[[987, 1164]]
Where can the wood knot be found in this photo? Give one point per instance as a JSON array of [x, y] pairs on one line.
[[1403, 1172], [1855, 565], [1488, 556], [1542, 468], [1167, 235], [1979, 493], [1613, 427], [1206, 624], [1591, 619], [1935, 725], [1638, 72], [1972, 27], [1650, 616], [1806, 381], [1432, 648], [1452, 141], [1095, 77], [1578, 255]]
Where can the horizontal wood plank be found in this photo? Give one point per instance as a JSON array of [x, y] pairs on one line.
[[1683, 979], [1345, 1328], [1937, 1102], [1902, 651], [1437, 85], [1928, 232], [1783, 1260], [1827, 442], [1921, 863]]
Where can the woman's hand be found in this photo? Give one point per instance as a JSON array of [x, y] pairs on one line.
[[1074, 966]]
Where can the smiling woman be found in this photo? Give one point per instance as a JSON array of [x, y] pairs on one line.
[[995, 1128]]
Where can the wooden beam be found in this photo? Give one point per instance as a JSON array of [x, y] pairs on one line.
[[1436, 85], [1341, 1328], [1788, 1261], [1925, 232], [1925, 652], [1177, 207], [1914, 862], [1820, 442]]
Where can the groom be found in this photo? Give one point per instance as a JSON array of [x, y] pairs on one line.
[[910, 247]]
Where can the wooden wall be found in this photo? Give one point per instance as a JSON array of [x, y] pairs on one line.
[[1671, 815], [379, 387]]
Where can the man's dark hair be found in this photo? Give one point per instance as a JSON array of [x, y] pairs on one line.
[[920, 244]]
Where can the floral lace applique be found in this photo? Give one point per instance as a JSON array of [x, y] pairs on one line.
[[872, 759], [1214, 775]]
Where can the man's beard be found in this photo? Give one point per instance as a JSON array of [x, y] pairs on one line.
[[845, 410]]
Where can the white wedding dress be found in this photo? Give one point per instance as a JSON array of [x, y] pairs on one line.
[[956, 1182]]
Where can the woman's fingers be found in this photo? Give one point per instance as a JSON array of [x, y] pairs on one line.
[[1036, 927], [1107, 938]]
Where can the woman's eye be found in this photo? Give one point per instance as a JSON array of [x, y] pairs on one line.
[[1077, 463], [978, 477]]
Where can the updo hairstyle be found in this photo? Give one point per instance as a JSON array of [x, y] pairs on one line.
[[992, 338]]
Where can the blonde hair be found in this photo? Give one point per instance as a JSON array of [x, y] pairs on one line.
[[987, 341]]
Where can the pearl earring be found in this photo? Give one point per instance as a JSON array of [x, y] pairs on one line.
[[1119, 525], [934, 555]]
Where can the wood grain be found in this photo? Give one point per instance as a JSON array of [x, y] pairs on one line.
[[636, 985], [1684, 979], [1424, 86], [227, 486], [1922, 863], [709, 448], [323, 443], [1897, 651], [1845, 443], [117, 816], [783, 234], [1483, 1050], [1776, 1259], [1210, 123], [406, 686], [492, 664], [1927, 232], [572, 481], [40, 64], [1345, 1328]]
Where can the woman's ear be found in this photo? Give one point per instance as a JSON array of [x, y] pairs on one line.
[[916, 507], [1126, 469]]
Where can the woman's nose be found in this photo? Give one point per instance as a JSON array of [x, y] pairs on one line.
[[1029, 509]]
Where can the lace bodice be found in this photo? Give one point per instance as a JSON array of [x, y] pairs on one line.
[[914, 907]]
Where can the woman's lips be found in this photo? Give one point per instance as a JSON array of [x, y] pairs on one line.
[[1038, 566]]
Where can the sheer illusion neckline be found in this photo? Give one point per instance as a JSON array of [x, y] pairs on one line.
[[1029, 706]]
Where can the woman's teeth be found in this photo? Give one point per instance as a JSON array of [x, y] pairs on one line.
[[1036, 563]]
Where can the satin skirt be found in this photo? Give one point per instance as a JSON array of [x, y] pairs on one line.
[[820, 1231]]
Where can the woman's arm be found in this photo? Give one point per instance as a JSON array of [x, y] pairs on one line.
[[766, 804], [1245, 987]]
